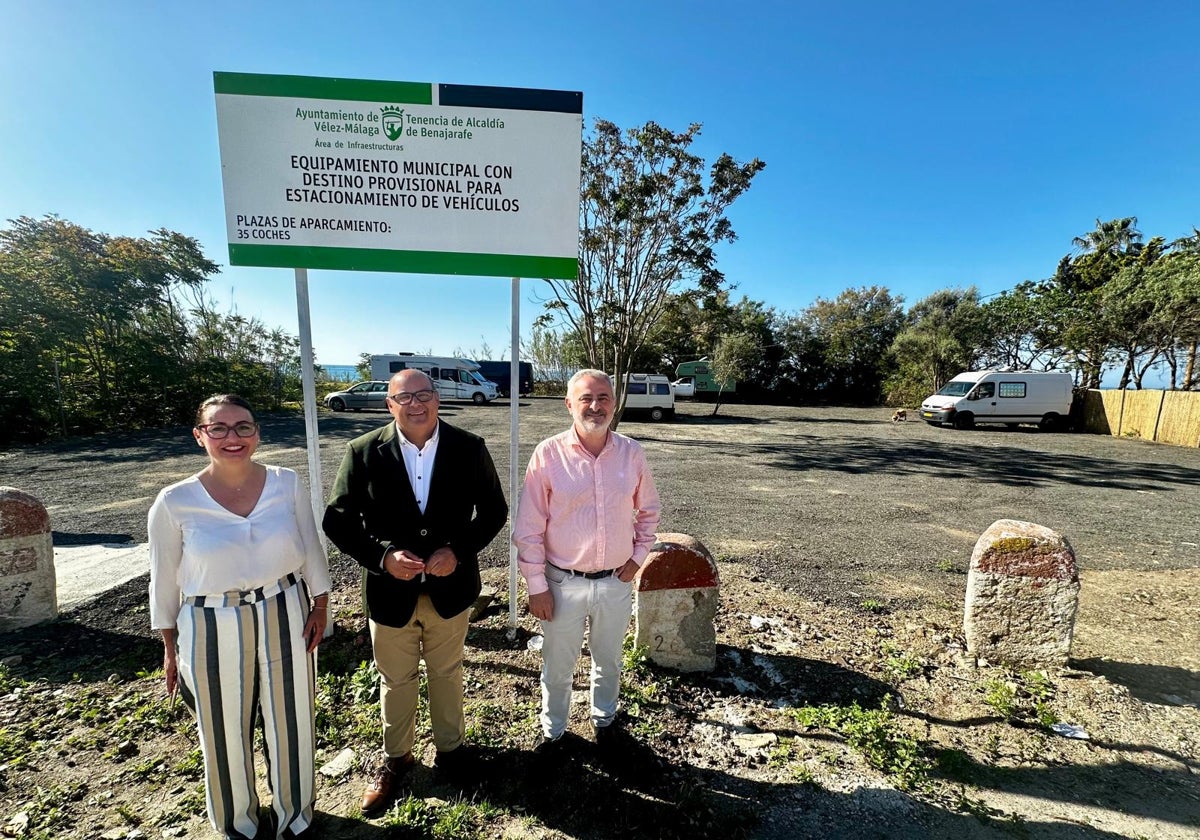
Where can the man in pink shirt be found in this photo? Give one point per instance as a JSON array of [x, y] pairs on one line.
[[585, 523]]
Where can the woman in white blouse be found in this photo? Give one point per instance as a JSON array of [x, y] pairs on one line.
[[239, 588]]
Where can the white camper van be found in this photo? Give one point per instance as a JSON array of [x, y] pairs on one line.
[[1002, 396], [455, 379], [649, 394]]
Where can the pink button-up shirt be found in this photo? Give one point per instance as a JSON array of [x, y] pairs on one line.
[[584, 512]]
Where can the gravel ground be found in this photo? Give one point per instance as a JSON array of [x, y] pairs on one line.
[[841, 538], [835, 503]]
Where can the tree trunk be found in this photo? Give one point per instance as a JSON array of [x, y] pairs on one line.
[[1189, 372], [1126, 374]]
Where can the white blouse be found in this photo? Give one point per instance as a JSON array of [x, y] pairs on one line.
[[198, 547]]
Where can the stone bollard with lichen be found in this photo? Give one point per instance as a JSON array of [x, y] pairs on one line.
[[28, 587], [1022, 596]]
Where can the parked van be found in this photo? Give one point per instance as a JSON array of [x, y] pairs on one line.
[[696, 378], [649, 394], [1002, 396], [501, 374], [455, 379]]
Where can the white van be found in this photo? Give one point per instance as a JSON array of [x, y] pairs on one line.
[[1002, 396], [649, 394], [455, 379]]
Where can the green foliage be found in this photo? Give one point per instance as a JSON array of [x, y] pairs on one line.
[[458, 820], [1022, 698], [736, 354], [490, 724], [873, 605], [899, 665], [554, 354], [1001, 697], [53, 808], [347, 705], [651, 217], [191, 804], [103, 332], [938, 342], [874, 734], [837, 350], [638, 686], [634, 658], [8, 681]]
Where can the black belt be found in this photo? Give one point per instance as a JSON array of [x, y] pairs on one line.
[[600, 575]]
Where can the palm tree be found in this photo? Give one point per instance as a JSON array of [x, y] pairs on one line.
[[1187, 244], [1112, 237]]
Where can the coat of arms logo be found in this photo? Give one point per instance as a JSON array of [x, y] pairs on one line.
[[393, 121]]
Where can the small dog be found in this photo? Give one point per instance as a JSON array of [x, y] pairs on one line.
[[900, 415]]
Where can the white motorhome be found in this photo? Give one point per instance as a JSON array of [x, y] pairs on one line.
[[455, 379], [649, 394], [1002, 396]]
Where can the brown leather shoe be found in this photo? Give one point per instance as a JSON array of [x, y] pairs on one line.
[[378, 794]]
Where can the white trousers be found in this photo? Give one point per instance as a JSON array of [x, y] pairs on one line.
[[602, 608]]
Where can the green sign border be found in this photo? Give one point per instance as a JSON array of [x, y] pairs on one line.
[[314, 87], [414, 262]]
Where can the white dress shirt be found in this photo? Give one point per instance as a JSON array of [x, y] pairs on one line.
[[418, 462]]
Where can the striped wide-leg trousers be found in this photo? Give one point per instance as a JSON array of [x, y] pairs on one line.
[[240, 655]]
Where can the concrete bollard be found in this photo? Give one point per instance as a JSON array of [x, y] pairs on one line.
[[677, 592], [28, 593], [1022, 595]]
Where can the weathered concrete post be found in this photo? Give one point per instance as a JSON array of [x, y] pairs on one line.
[[27, 586], [1022, 595], [677, 592]]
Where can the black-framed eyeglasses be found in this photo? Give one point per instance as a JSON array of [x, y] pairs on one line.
[[217, 431], [404, 397]]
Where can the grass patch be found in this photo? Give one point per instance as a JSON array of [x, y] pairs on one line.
[[431, 820], [899, 665], [490, 724], [875, 735], [348, 706], [638, 686], [52, 809], [1022, 698]]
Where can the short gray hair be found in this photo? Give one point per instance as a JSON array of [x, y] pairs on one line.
[[587, 372]]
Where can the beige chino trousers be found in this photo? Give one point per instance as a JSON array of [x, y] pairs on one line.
[[398, 653]]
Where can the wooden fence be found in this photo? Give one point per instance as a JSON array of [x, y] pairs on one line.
[[1163, 416]]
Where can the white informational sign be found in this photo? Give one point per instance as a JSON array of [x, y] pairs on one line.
[[400, 176]]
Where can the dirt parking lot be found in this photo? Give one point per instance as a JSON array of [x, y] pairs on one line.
[[836, 503], [842, 540]]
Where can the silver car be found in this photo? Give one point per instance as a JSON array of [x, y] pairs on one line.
[[356, 397]]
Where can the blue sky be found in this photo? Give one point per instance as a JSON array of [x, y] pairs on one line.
[[913, 146]]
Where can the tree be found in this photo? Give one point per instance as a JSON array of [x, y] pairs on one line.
[[96, 316], [692, 326], [851, 335], [1116, 237], [1019, 330], [650, 221], [735, 355], [554, 354], [1076, 292], [939, 341]]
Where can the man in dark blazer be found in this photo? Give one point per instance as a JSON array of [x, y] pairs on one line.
[[414, 503]]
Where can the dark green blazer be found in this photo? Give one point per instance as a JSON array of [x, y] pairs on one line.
[[372, 507]]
